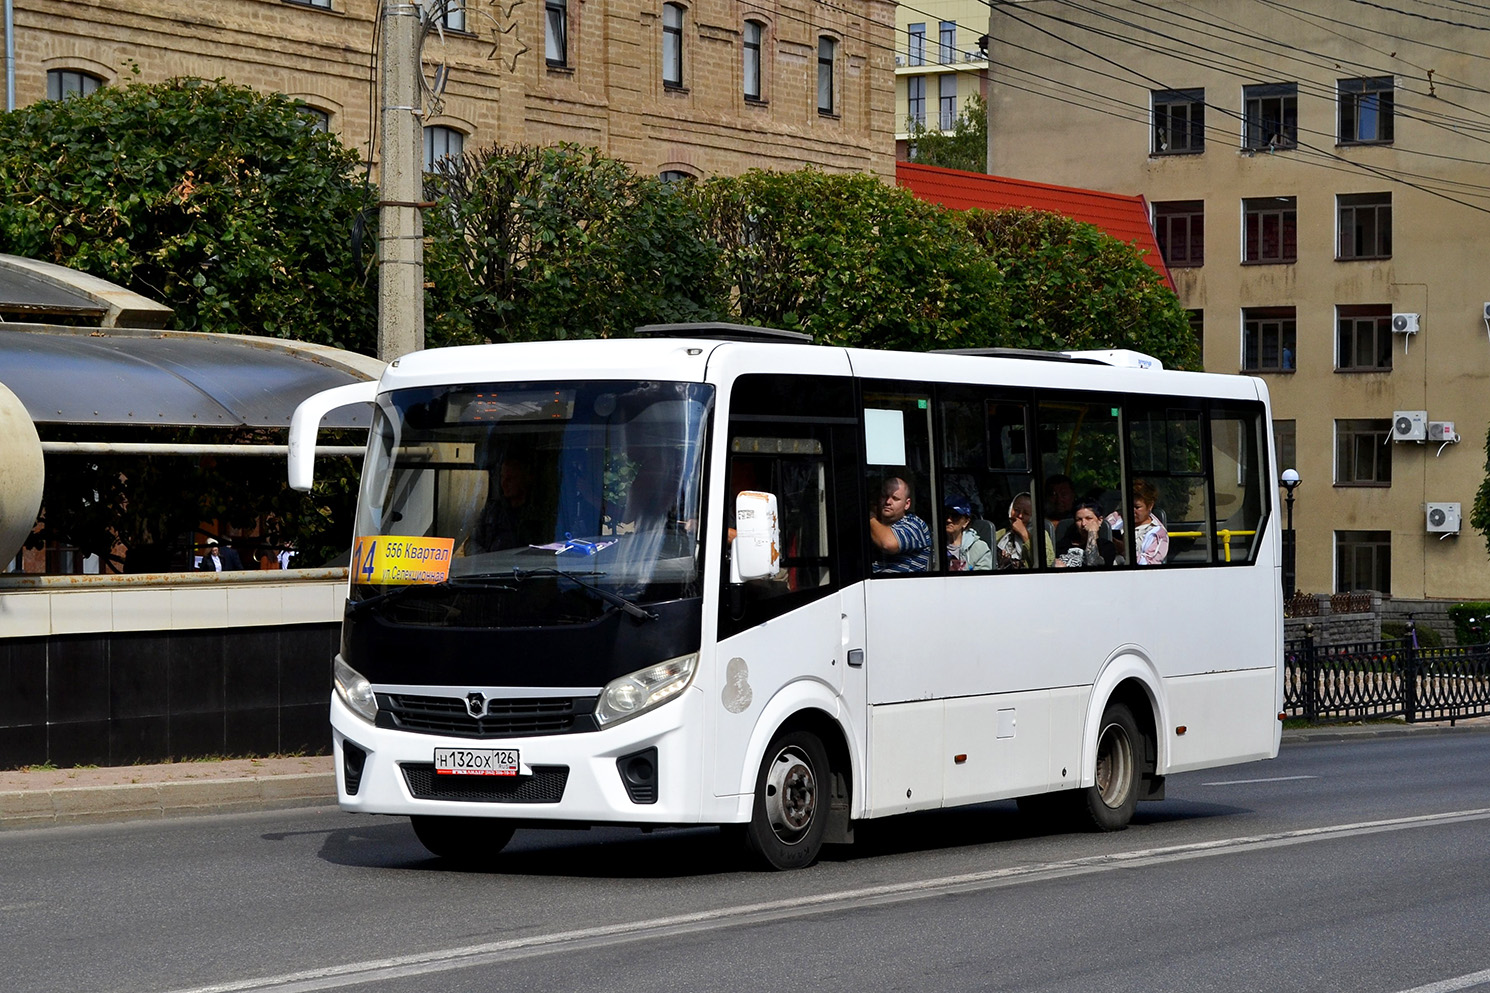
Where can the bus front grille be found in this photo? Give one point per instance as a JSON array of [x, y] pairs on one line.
[[546, 785], [505, 718]]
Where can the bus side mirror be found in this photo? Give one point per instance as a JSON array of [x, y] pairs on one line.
[[756, 553], [307, 421]]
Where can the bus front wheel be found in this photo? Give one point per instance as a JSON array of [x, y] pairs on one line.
[[792, 797], [465, 840], [1109, 802]]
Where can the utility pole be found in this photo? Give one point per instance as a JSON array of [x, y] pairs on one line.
[[400, 184]]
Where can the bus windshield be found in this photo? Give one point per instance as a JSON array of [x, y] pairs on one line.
[[561, 500]]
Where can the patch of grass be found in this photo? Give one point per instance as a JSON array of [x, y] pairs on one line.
[[40, 767]]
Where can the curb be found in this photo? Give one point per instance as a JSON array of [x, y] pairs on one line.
[[1307, 736], [155, 801]]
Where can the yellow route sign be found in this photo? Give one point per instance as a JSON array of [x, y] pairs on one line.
[[401, 560]]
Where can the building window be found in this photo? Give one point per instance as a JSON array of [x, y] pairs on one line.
[[1179, 225], [1363, 453], [947, 117], [64, 83], [754, 32], [451, 13], [323, 4], [1270, 229], [826, 49], [315, 118], [1268, 339], [1365, 339], [1363, 561], [1365, 225], [673, 176], [947, 43], [1271, 116], [916, 45], [1197, 328], [1366, 110], [1179, 122], [441, 146], [915, 99], [556, 32], [1285, 445], [672, 45]]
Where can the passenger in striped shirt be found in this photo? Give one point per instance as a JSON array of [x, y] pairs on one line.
[[902, 541]]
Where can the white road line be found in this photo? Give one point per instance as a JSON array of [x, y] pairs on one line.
[[1244, 782], [488, 953], [1449, 985]]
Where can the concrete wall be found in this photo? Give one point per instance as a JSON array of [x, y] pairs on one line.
[[115, 670]]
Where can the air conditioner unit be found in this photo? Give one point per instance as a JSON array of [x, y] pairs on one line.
[[1442, 431], [1409, 425], [1443, 518], [900, 61], [1405, 323], [1487, 310]]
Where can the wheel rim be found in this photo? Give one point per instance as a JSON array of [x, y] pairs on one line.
[[1114, 766], [791, 795]]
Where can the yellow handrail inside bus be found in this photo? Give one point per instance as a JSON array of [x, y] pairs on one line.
[[1225, 534]]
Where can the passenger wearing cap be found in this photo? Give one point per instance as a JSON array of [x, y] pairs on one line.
[[966, 551]]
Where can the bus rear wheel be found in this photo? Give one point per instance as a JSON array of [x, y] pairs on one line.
[[463, 840], [792, 797], [1109, 802]]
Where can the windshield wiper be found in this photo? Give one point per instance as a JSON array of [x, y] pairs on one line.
[[640, 613], [476, 581]]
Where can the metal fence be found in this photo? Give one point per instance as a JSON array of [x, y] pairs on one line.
[[1385, 679]]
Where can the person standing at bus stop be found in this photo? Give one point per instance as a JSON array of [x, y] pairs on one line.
[[902, 540]]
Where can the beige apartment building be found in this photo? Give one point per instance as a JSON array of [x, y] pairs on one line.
[[939, 63], [691, 87], [1319, 185]]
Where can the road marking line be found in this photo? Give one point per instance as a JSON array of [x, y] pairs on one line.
[[488, 953], [1449, 985], [1245, 782]]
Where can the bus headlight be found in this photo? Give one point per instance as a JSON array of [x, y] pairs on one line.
[[640, 691], [355, 691]]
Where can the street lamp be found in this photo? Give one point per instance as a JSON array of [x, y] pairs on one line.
[[1290, 481]]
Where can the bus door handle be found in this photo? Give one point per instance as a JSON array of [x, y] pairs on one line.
[[856, 657]]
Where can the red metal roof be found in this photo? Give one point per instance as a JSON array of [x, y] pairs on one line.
[[1124, 217]]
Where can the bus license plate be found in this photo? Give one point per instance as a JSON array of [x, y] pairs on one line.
[[476, 761]]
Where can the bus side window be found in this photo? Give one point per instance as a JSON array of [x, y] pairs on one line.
[[1168, 455], [1239, 460], [897, 449], [1080, 464]]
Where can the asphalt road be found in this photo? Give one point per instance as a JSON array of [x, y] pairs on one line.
[[1356, 866]]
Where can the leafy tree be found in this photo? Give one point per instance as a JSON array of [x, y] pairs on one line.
[[965, 147], [1479, 514], [1072, 286], [560, 242], [218, 201], [851, 261]]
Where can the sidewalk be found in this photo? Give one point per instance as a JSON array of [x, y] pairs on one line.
[[43, 797]]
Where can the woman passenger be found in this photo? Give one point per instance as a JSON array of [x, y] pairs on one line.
[[1083, 544], [1150, 536], [966, 551]]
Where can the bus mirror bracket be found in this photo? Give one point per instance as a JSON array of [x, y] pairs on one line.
[[307, 422], [756, 550]]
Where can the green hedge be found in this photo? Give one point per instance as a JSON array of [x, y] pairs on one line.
[[1462, 613], [1427, 637]]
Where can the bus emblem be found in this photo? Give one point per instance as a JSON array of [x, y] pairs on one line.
[[476, 704]]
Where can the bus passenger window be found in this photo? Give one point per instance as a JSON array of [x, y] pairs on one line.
[[1239, 456], [1168, 460], [901, 482], [1080, 463]]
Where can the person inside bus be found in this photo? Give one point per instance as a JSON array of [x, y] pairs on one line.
[[511, 517], [966, 551], [1014, 547], [902, 541], [1060, 499], [1150, 536], [1086, 544]]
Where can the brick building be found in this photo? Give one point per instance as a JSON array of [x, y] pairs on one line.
[[697, 87]]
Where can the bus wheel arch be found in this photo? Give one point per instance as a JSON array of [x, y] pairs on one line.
[[800, 793], [1120, 766]]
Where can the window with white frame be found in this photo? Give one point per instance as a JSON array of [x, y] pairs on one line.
[[556, 32], [1365, 225], [64, 83], [827, 53], [672, 45], [915, 50], [442, 146], [1366, 110], [1270, 116], [915, 99], [755, 33], [947, 102]]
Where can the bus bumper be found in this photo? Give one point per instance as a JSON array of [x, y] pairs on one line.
[[576, 778]]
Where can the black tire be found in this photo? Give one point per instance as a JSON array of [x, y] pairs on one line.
[[465, 840], [793, 793], [1108, 804]]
